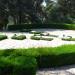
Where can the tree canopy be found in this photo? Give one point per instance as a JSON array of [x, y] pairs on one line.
[[32, 11]]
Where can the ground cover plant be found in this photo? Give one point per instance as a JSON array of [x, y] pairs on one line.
[[18, 37], [68, 39], [2, 37], [41, 38]]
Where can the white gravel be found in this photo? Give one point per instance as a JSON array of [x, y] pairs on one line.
[[28, 43], [65, 70]]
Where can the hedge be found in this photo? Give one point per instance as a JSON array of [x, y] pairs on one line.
[[18, 37], [68, 39], [22, 61], [41, 38], [51, 57], [12, 64], [2, 37], [35, 26], [25, 30]]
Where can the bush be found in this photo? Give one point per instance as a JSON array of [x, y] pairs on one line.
[[25, 30], [25, 59], [20, 37], [53, 35], [35, 32], [52, 57], [44, 34], [41, 38], [35, 38], [35, 26], [68, 39], [2, 37], [17, 65], [47, 39]]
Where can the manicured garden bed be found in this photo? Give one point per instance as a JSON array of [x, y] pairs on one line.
[[41, 38], [18, 37], [68, 39], [2, 37]]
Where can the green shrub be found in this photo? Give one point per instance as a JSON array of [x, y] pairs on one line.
[[13, 64], [44, 34], [35, 38], [53, 35], [41, 38], [45, 57], [2, 37], [19, 37], [51, 57], [68, 39], [25, 30], [35, 26], [35, 32], [47, 39]]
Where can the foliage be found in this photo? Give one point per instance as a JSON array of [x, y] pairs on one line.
[[35, 32], [37, 26], [35, 38], [68, 39], [46, 58], [25, 30], [47, 39], [18, 37], [41, 38], [13, 64], [2, 37], [57, 13]]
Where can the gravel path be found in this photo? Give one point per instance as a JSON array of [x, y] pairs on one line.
[[66, 70], [28, 43]]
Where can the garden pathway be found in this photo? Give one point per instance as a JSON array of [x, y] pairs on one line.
[[28, 43], [67, 70]]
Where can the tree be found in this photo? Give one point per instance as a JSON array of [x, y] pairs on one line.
[[25, 10], [3, 14], [62, 11], [22, 11], [67, 7]]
